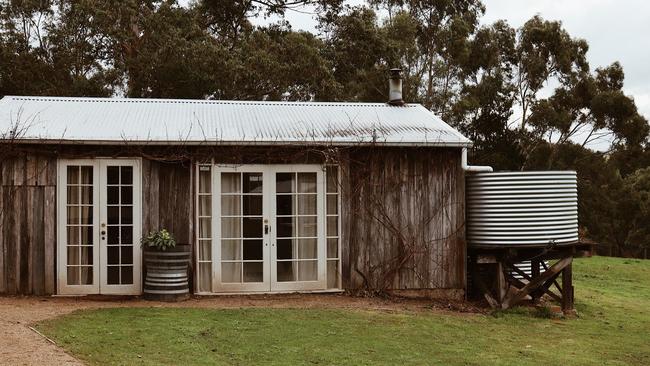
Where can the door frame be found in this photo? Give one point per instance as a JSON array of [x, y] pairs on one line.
[[270, 283], [99, 210]]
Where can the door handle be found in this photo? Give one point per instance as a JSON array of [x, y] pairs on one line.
[[266, 229]]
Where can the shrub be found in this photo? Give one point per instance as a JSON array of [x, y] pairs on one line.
[[158, 240]]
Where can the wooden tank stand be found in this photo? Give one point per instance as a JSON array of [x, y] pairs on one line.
[[492, 271]]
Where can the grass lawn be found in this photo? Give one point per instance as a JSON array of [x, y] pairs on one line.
[[613, 328]]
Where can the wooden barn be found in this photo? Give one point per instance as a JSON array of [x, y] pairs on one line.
[[269, 196]]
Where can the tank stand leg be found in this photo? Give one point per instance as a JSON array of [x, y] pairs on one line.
[[567, 290]]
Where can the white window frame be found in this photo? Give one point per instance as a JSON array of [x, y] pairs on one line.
[[339, 214]]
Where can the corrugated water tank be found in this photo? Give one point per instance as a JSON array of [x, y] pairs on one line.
[[534, 209]]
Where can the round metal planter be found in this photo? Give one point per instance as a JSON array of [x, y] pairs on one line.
[[533, 209], [167, 274]]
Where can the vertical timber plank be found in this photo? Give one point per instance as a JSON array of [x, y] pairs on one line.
[[19, 172], [185, 202], [25, 238], [165, 200], [28, 232], [146, 190], [5, 179], [50, 172], [38, 244], [49, 239], [154, 196], [14, 241], [13, 231], [31, 170], [9, 240], [42, 170], [3, 214]]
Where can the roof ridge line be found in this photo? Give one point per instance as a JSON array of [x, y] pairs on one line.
[[201, 101]]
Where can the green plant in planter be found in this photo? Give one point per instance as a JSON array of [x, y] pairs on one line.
[[158, 240]]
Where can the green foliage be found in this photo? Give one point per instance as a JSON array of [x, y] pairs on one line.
[[158, 240], [637, 189], [613, 296], [485, 80], [229, 19]]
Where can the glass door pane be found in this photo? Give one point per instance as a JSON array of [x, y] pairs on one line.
[[296, 231], [118, 229], [242, 227], [79, 225]]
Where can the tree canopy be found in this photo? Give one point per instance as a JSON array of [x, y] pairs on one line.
[[527, 97]]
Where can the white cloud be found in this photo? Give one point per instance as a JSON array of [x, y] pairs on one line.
[[642, 100]]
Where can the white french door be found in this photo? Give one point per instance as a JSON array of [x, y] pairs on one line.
[[99, 226], [269, 228], [298, 220]]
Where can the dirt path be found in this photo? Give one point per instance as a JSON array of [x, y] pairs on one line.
[[20, 345]]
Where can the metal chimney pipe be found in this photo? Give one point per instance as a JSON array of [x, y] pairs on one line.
[[395, 87]]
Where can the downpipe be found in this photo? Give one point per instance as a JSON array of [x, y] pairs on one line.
[[472, 168]]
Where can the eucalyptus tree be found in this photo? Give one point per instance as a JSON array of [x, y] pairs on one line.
[[275, 63], [357, 48], [444, 29], [545, 51], [155, 47], [45, 52], [231, 18], [485, 100], [638, 189], [590, 109]]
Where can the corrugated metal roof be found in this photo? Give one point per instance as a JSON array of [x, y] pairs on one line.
[[167, 121]]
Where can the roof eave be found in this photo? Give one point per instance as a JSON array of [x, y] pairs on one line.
[[453, 144]]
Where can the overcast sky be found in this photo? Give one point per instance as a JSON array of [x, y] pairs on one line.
[[616, 30]]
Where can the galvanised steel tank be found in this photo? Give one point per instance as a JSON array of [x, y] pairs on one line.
[[533, 209]]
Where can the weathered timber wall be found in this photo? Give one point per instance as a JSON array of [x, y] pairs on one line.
[[28, 225], [401, 208], [28, 217], [403, 220], [167, 199]]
